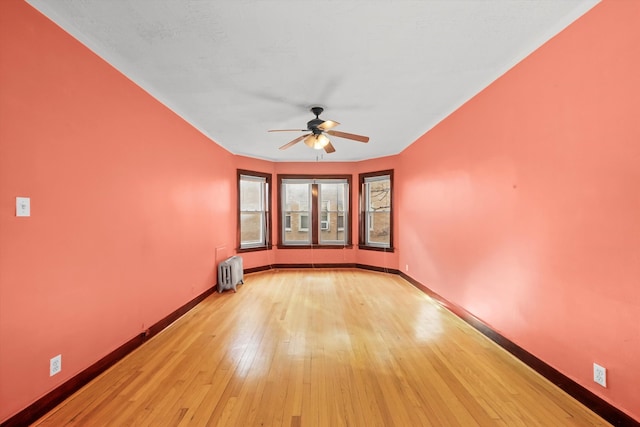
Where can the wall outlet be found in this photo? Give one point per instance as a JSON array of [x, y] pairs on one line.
[[55, 365], [406, 267], [600, 374]]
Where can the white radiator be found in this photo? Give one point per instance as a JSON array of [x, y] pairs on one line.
[[230, 273]]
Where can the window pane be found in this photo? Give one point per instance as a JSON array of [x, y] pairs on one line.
[[304, 222], [333, 208], [251, 228], [378, 210], [253, 192], [296, 202]]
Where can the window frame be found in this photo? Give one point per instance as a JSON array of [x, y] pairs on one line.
[[266, 212], [365, 216], [315, 212]]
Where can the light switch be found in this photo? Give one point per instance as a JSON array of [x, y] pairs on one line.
[[23, 206]]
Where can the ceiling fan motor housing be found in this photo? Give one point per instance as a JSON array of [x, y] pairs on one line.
[[312, 125]]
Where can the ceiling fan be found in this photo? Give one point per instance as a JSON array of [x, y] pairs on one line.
[[318, 128]]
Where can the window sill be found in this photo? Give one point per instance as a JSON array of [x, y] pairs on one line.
[[375, 248], [348, 246], [257, 248]]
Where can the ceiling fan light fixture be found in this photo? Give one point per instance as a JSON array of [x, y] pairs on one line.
[[320, 141]]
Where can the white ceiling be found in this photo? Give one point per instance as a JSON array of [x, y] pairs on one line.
[[389, 69]]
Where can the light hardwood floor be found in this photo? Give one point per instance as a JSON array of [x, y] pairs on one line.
[[320, 348]]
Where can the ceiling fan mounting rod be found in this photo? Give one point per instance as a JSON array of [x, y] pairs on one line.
[[317, 110], [313, 124]]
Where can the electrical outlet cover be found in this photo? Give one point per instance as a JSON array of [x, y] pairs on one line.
[[55, 365], [600, 374]]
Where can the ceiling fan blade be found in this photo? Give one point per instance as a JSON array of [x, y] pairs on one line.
[[288, 130], [295, 141], [328, 124], [329, 148], [348, 136]]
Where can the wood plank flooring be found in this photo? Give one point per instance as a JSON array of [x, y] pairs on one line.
[[320, 348]]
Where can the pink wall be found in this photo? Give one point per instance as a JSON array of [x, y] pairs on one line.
[[126, 212], [529, 207]]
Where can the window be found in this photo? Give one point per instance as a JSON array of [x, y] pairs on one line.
[[376, 210], [334, 202], [314, 210], [254, 220], [295, 203], [304, 222], [324, 216]]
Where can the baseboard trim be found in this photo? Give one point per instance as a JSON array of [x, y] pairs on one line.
[[378, 269], [314, 265], [256, 269], [326, 265], [52, 399], [598, 405]]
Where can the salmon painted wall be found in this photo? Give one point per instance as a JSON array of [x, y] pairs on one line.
[[319, 256], [529, 207], [125, 218]]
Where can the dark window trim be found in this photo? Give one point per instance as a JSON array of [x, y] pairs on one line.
[[267, 245], [362, 212], [315, 215]]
